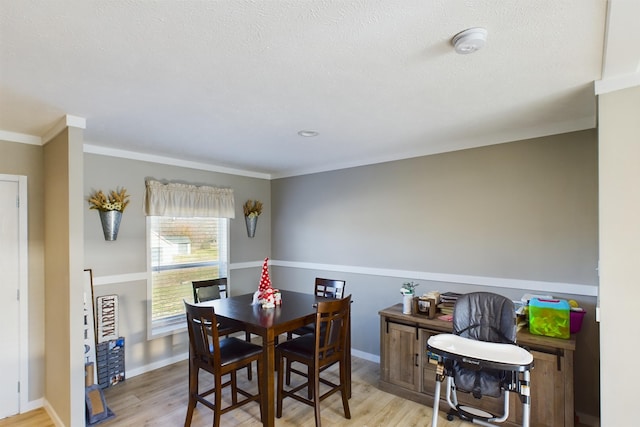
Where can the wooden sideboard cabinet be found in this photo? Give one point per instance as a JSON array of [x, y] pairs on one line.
[[405, 369]]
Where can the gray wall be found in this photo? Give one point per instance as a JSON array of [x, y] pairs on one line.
[[524, 211], [127, 255]]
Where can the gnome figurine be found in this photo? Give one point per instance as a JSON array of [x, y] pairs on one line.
[[265, 295]]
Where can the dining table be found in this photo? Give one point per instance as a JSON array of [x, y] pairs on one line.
[[296, 310]]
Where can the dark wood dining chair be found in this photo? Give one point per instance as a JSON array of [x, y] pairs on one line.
[[318, 351], [207, 290], [210, 289], [219, 357], [328, 288]]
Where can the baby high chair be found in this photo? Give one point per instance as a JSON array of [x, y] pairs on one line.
[[481, 358]]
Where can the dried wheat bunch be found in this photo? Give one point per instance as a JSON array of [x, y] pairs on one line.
[[252, 208], [116, 201]]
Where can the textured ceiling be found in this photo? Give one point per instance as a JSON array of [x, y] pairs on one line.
[[230, 83]]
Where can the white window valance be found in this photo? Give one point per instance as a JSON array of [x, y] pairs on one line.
[[187, 201]]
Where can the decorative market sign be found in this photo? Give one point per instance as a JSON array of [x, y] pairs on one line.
[[107, 317]]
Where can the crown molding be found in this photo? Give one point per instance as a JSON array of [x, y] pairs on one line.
[[22, 138], [580, 124], [132, 155], [65, 122], [617, 83]]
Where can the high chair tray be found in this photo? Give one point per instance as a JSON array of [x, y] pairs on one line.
[[484, 354]]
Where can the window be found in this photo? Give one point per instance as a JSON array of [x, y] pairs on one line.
[[182, 250], [187, 239]]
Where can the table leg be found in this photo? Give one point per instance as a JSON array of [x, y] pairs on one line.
[[268, 379]]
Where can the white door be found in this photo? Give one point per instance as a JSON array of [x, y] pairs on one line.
[[9, 303]]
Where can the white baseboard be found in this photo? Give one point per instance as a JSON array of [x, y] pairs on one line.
[[156, 365], [31, 405], [53, 414], [366, 356], [180, 357]]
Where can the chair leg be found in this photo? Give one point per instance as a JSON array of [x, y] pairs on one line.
[[280, 386], [343, 390], [234, 387], [218, 402], [309, 388], [316, 394], [288, 372], [247, 338], [263, 395], [193, 391]]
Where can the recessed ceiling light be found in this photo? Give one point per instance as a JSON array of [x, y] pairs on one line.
[[308, 133], [469, 40]]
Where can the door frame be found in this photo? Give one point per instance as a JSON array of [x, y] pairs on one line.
[[23, 287]]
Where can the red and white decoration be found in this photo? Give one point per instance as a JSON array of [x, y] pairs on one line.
[[266, 295]]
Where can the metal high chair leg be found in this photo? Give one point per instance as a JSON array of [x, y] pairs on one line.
[[515, 361]]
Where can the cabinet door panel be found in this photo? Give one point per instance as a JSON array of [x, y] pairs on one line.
[[547, 392], [401, 363], [428, 369]]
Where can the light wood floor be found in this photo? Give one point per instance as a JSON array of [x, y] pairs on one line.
[[35, 418], [159, 398]]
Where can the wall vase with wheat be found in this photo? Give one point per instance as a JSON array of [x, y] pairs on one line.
[[252, 210], [110, 209], [110, 224]]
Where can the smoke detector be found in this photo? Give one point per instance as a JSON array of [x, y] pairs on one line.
[[469, 40]]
